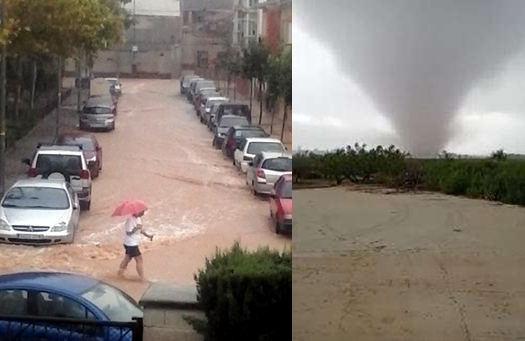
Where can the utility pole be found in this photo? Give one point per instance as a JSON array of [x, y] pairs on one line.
[[3, 104], [79, 77]]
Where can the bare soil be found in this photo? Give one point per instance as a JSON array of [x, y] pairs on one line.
[[372, 266]]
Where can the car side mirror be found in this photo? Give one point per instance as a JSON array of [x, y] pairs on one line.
[[250, 164], [98, 149], [26, 161]]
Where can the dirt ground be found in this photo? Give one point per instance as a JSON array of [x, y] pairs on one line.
[[159, 153], [377, 266]]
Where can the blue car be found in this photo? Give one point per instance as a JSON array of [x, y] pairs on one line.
[[63, 306]]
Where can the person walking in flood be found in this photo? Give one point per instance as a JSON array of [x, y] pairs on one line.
[[133, 232]]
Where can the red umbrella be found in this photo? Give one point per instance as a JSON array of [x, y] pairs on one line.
[[126, 208]]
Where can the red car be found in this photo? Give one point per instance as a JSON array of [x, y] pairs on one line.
[[281, 204], [90, 147]]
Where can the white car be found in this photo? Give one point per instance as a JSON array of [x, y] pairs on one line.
[[252, 146], [210, 102], [66, 162], [39, 211], [265, 170]]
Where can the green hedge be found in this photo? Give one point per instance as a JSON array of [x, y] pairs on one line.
[[247, 295], [496, 178]]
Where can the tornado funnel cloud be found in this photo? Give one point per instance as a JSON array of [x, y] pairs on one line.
[[417, 59]]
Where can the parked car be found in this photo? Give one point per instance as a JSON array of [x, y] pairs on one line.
[[252, 146], [234, 109], [191, 86], [54, 298], [206, 113], [99, 112], [265, 170], [222, 127], [195, 87], [115, 86], [236, 134], [200, 97], [185, 82], [204, 99], [66, 161], [90, 146], [42, 211], [211, 118], [281, 204]]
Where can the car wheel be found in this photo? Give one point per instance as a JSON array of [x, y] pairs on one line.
[[254, 191]]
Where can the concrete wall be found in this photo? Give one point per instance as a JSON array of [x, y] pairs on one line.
[[165, 310]]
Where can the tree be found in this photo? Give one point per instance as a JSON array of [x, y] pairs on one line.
[[499, 155], [285, 85]]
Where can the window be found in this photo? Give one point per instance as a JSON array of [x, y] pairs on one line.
[[70, 163], [37, 198], [257, 147], [51, 305], [280, 164], [202, 58], [115, 304], [13, 302], [286, 190]]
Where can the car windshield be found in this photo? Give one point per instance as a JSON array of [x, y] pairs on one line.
[[236, 110], [36, 198], [280, 164], [286, 190], [112, 81], [250, 133], [86, 142], [210, 103], [72, 164], [114, 303], [258, 147], [96, 110], [227, 122]]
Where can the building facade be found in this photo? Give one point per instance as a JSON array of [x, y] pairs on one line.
[[152, 45]]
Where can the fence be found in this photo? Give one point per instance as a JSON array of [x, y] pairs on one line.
[[47, 328]]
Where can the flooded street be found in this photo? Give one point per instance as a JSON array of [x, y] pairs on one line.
[[197, 200]]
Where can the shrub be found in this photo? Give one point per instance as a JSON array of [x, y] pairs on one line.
[[247, 296]]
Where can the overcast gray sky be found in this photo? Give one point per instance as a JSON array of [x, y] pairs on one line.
[[331, 110]]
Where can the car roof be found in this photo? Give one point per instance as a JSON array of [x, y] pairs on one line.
[[218, 98], [234, 104], [234, 116], [261, 139], [111, 79], [76, 135], [48, 280], [35, 182], [245, 127], [100, 101], [273, 155]]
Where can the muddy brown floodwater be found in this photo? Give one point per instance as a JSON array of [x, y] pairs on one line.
[[371, 266], [159, 153]]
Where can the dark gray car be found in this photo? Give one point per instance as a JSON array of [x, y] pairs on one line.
[[98, 113], [223, 125]]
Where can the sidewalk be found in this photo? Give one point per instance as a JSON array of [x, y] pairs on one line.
[[266, 115], [44, 131]]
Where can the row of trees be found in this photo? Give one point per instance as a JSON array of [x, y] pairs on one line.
[[273, 72], [495, 178], [40, 34]]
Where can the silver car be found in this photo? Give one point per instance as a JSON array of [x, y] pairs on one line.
[[99, 112], [36, 211], [265, 170], [210, 102]]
